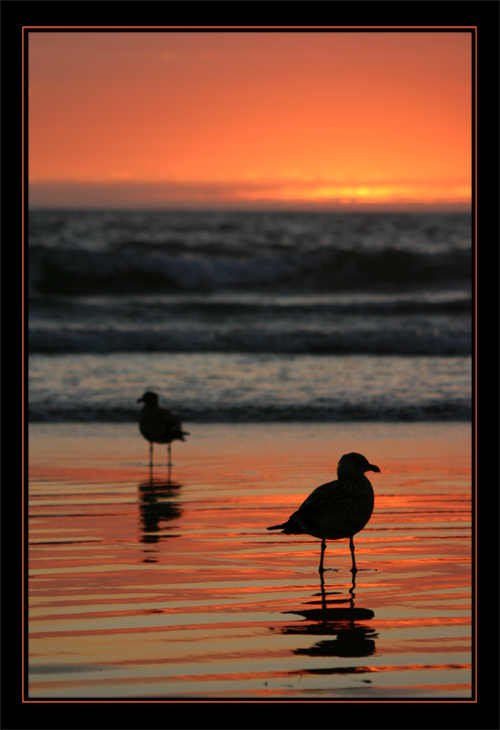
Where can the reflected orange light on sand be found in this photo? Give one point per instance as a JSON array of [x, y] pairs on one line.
[[330, 117], [212, 602]]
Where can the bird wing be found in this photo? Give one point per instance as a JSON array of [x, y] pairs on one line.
[[160, 425], [336, 509]]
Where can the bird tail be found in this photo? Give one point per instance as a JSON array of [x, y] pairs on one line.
[[179, 435], [276, 527]]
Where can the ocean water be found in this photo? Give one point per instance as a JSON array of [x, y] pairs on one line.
[[250, 316]]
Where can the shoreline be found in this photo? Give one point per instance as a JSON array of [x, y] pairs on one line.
[[307, 452]]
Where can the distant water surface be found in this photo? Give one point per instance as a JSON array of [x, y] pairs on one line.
[[250, 316]]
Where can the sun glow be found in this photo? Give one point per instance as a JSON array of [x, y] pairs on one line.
[[374, 193]]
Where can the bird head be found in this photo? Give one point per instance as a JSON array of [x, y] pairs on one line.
[[355, 463], [149, 399]]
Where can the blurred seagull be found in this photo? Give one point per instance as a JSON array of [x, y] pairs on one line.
[[337, 509], [158, 425]]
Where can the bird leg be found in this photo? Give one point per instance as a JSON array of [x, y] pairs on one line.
[[323, 593], [323, 548], [150, 454], [169, 456], [351, 590], [351, 545]]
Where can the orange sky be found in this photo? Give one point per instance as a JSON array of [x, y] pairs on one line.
[[253, 119]]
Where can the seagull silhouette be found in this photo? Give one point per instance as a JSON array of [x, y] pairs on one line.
[[158, 425], [337, 509]]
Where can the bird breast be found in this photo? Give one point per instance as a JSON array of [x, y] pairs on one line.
[[156, 425]]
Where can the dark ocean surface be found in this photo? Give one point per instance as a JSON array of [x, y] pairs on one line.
[[250, 316]]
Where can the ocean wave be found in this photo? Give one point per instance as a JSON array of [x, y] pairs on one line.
[[156, 307], [407, 339], [134, 269], [452, 410]]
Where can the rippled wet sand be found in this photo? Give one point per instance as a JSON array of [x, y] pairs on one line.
[[143, 587]]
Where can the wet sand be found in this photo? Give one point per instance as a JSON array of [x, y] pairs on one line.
[[145, 587]]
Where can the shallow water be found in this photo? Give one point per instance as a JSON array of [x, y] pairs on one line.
[[145, 587], [238, 387]]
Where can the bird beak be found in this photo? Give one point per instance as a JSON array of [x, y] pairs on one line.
[[140, 400], [372, 467]]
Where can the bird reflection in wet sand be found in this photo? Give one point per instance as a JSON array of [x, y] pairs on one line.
[[350, 636], [337, 509], [158, 425], [157, 505]]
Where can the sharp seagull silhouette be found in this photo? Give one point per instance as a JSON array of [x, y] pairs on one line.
[[338, 509]]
